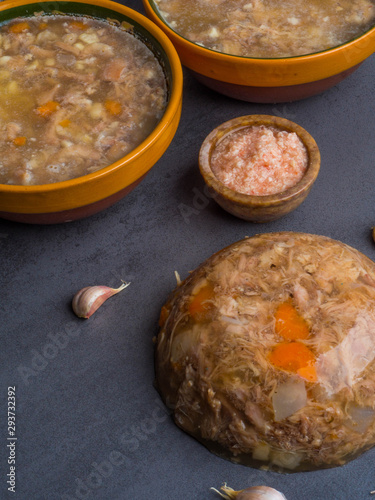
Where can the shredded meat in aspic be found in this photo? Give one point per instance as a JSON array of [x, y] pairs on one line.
[[266, 352]]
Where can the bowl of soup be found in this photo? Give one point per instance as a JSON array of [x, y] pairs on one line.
[[268, 52], [259, 167], [92, 99]]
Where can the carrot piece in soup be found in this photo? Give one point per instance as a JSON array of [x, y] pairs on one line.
[[201, 303], [289, 324], [65, 123], [294, 357], [46, 110], [19, 141], [78, 25], [113, 107], [19, 27], [42, 26]]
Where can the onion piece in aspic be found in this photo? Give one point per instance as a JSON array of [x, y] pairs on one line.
[[288, 398]]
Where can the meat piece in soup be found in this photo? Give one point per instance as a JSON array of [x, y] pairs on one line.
[[77, 95]]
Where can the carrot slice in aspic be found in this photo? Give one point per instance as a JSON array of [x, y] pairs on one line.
[[201, 302], [289, 323], [294, 357]]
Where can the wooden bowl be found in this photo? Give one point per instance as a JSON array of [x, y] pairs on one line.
[[258, 208]]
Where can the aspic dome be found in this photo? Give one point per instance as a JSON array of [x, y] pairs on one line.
[[266, 352]]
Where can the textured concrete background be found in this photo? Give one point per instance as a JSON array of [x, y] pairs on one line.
[[89, 422]]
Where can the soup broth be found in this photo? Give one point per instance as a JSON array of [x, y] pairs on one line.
[[268, 28], [77, 95]]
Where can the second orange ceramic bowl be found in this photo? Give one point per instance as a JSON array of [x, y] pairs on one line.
[[89, 194], [267, 80]]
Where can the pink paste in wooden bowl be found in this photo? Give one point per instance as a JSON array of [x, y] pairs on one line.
[[260, 160]]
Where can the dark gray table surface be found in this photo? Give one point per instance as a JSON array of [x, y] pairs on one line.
[[89, 422]]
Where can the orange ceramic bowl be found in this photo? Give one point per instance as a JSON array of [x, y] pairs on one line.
[[268, 80], [86, 195], [258, 208]]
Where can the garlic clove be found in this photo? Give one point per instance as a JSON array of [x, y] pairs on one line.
[[87, 300], [252, 493]]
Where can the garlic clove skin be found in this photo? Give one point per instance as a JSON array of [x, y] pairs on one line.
[[252, 493], [87, 300], [260, 493]]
